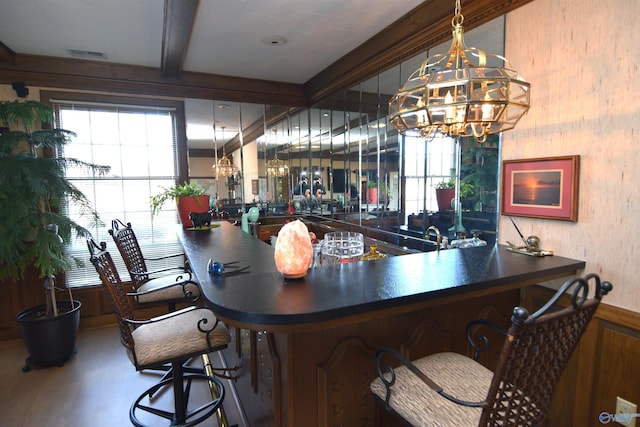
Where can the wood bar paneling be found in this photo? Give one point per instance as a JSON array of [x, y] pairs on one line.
[[322, 377], [603, 366], [96, 309]]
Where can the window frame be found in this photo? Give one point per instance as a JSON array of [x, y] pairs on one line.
[[145, 102]]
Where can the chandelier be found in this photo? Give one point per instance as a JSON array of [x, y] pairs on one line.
[[277, 167], [449, 95], [223, 166]]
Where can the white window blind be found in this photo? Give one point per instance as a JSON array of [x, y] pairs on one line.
[[139, 144]]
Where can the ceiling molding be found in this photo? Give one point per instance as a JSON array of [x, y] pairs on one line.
[[179, 16], [425, 26], [80, 74], [6, 54]]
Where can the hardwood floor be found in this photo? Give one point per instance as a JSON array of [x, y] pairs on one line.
[[95, 388]]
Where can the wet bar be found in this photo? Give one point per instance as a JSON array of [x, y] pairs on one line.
[[305, 345]]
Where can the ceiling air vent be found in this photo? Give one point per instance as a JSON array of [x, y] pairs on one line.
[[87, 54]]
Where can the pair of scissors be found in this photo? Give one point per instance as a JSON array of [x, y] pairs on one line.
[[224, 269]]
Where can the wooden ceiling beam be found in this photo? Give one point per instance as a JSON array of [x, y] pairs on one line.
[[179, 16], [103, 76]]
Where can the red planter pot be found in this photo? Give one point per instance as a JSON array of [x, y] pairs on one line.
[[444, 197], [372, 195], [188, 204]]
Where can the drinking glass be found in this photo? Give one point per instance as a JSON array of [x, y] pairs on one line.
[[342, 247]]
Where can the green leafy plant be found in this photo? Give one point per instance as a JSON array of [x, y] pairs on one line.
[[479, 169], [173, 193], [385, 190], [467, 190], [446, 185], [35, 194]]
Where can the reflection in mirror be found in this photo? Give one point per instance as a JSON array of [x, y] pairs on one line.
[[363, 172], [277, 167], [226, 131], [451, 184]]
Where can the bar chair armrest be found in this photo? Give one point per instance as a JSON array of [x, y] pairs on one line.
[[145, 274], [164, 317], [164, 257], [183, 284], [479, 341]]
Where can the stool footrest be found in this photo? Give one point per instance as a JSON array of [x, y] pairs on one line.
[[180, 415]]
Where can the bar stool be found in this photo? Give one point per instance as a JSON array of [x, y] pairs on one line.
[[449, 389], [164, 286], [171, 338], [169, 285]]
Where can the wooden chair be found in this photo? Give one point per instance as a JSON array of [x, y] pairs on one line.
[[172, 338], [449, 389], [169, 285]]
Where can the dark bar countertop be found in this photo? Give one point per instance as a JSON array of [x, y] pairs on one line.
[[262, 299]]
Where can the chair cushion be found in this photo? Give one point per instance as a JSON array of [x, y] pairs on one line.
[[167, 288], [176, 336], [458, 375]]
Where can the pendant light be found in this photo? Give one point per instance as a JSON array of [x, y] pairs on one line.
[[457, 94], [224, 166]]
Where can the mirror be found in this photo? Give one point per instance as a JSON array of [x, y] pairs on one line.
[[342, 159]]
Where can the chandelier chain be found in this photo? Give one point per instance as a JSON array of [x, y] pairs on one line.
[[458, 18]]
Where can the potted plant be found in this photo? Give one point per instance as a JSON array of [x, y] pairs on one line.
[[189, 198], [34, 193], [445, 193]]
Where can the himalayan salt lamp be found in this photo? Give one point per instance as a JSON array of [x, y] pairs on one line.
[[293, 253]]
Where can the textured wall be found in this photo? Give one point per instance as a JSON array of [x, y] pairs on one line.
[[582, 57]]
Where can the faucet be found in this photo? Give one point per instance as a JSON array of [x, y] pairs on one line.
[[438, 236]]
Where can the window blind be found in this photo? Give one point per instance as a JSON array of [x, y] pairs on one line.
[[139, 144]]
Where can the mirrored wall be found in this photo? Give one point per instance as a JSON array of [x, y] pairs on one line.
[[342, 159]]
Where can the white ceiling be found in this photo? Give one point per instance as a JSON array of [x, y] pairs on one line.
[[226, 37]]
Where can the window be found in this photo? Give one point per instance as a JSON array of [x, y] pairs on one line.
[[426, 164], [139, 143]]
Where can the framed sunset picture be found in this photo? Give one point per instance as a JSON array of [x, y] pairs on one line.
[[541, 188]]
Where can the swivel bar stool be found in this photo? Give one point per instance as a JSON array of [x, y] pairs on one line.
[[169, 285], [171, 338]]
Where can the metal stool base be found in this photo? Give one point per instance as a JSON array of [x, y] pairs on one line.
[[181, 417]]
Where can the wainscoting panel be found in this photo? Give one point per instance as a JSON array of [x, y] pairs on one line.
[[606, 364]]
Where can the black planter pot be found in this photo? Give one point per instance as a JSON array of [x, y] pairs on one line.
[[49, 340]]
